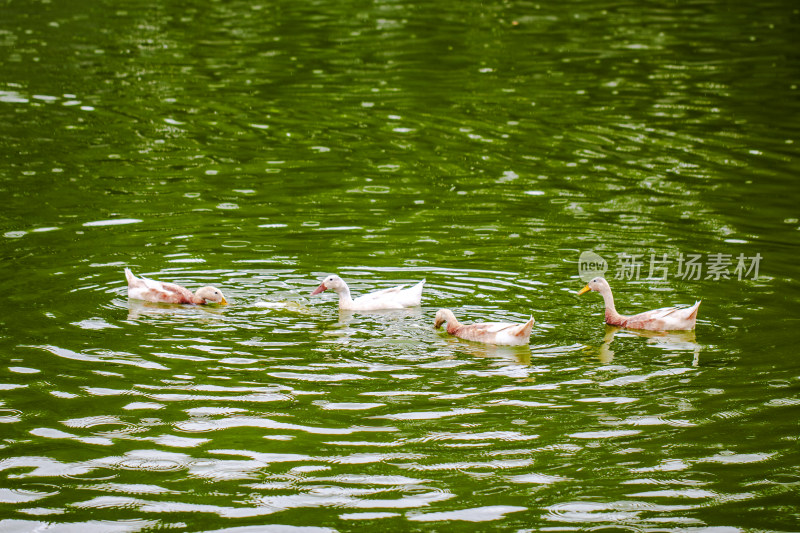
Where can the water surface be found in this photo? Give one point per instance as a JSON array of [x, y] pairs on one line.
[[480, 146]]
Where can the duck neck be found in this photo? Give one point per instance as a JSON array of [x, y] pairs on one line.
[[345, 300], [612, 317], [452, 323]]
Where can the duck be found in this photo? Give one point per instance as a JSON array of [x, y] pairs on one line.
[[503, 333], [664, 319], [392, 298], [160, 292]]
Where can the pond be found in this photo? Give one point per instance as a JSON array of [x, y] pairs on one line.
[[481, 146]]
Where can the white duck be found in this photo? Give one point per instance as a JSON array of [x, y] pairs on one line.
[[665, 319], [393, 298], [160, 292], [505, 333]]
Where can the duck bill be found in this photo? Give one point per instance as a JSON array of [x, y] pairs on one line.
[[223, 301], [584, 290], [319, 289]]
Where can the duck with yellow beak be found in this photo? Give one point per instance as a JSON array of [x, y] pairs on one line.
[[665, 319]]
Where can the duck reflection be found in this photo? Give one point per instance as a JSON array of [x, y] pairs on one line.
[[520, 355], [139, 308], [669, 340], [346, 317], [351, 323]]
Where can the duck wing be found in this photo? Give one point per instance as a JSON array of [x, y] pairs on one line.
[[495, 332], [392, 298], [158, 291], [665, 319]]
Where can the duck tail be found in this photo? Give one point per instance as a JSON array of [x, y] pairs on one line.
[[129, 275], [693, 314], [417, 291], [525, 329]]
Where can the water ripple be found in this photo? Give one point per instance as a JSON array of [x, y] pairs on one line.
[[202, 426], [475, 514]]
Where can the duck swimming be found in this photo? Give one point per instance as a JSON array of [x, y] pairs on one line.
[[393, 298], [160, 292], [504, 333], [665, 319]]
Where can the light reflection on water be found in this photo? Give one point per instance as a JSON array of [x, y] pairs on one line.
[[394, 389], [482, 146], [316, 398]]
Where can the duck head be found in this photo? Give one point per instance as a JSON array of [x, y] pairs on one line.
[[333, 282], [211, 295], [597, 284], [440, 319]]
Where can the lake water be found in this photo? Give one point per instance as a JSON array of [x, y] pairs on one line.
[[482, 146]]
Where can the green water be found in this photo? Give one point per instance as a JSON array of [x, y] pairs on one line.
[[482, 146]]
